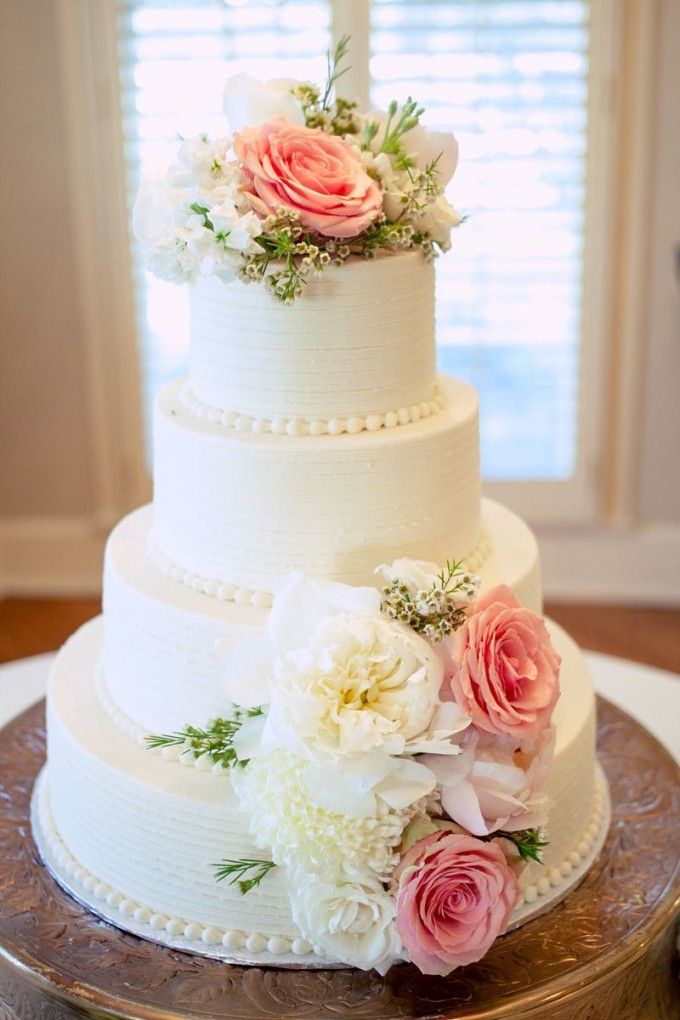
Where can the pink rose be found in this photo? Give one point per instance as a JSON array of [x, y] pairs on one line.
[[314, 174], [492, 785], [505, 672], [456, 895]]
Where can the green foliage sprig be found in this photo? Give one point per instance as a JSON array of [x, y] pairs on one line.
[[529, 843], [436, 611], [216, 740], [235, 870], [290, 255], [337, 116]]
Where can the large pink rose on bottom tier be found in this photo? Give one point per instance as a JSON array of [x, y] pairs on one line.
[[455, 897], [310, 172], [505, 671]]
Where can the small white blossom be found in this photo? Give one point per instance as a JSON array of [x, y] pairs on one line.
[[193, 220], [438, 220], [351, 922]]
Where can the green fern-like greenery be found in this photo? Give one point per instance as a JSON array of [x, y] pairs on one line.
[[234, 871], [216, 740]]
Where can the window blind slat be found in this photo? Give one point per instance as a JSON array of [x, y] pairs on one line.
[[510, 78]]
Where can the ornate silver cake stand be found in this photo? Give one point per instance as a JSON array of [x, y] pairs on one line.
[[607, 952]]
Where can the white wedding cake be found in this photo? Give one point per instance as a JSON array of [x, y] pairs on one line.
[[257, 699]]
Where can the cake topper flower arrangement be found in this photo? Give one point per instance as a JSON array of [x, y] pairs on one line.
[[390, 749], [304, 180]]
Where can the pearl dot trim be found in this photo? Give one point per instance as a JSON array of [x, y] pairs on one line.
[[176, 927], [580, 853], [333, 426], [221, 590], [243, 596]]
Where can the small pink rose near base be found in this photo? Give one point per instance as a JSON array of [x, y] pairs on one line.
[[455, 897]]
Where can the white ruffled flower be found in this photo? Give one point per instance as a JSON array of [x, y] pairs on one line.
[[362, 683], [249, 102], [427, 146], [298, 833], [352, 923], [438, 220], [493, 785], [299, 607]]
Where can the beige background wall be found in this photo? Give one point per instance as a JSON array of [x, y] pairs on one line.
[[52, 523], [659, 479], [44, 460]]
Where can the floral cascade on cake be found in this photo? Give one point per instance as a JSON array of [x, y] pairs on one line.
[[303, 181], [389, 751]]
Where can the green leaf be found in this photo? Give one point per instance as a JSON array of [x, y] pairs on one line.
[[529, 843], [333, 69], [216, 740], [236, 870]]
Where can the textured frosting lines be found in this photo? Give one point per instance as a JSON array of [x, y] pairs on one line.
[[360, 341], [247, 509]]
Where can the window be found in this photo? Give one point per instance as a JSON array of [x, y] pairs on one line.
[[518, 81]]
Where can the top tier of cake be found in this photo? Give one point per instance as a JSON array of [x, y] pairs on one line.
[[360, 341]]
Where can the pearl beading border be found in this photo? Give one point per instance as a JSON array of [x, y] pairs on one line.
[[174, 927], [244, 596], [295, 426], [222, 590], [122, 721], [561, 874], [557, 876], [206, 939]]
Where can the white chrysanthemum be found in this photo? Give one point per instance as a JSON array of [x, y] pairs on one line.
[[362, 683], [298, 833], [352, 922]]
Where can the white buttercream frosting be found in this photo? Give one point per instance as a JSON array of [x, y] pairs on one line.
[[175, 822], [246, 508], [358, 342], [159, 658]]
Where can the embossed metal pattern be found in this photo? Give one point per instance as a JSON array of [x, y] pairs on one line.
[[604, 953]]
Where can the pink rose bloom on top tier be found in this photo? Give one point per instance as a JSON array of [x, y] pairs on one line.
[[505, 671], [456, 894], [312, 173]]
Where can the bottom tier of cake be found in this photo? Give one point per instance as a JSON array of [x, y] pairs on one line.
[[135, 835]]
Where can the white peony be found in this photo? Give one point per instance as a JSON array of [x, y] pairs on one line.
[[249, 102], [299, 607], [361, 683], [352, 923], [284, 820]]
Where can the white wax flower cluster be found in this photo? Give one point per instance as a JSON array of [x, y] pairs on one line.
[[331, 781]]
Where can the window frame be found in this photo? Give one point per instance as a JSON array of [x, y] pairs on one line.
[[605, 438]]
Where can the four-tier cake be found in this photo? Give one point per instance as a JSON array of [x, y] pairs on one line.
[[321, 719]]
